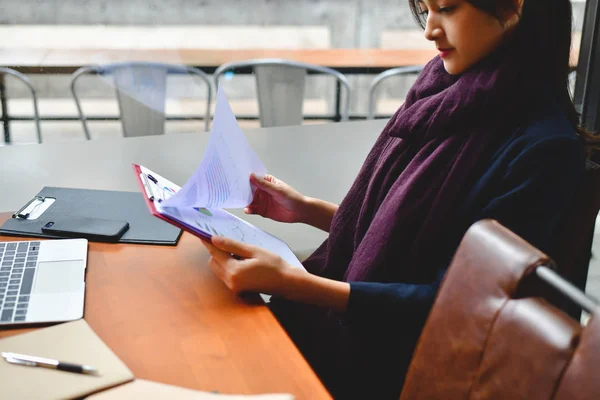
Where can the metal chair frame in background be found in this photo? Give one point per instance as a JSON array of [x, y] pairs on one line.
[[27, 82], [263, 69], [383, 76], [168, 69]]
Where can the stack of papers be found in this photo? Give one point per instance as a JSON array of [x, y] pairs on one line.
[[222, 180]]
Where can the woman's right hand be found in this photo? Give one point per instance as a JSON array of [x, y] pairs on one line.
[[276, 200]]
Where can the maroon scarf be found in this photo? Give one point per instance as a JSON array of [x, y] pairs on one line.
[[399, 220]]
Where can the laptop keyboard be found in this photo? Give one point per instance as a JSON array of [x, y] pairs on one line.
[[18, 262]]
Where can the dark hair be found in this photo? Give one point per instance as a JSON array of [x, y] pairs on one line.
[[542, 39]]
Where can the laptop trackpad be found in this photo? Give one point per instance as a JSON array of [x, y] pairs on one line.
[[59, 277]]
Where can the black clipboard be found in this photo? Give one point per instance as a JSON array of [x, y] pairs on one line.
[[105, 204]]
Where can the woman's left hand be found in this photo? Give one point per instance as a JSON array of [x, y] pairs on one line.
[[254, 270]]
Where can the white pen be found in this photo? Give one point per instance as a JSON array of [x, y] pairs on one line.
[[32, 361]]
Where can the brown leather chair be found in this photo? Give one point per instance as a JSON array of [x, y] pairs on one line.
[[485, 340], [571, 247]]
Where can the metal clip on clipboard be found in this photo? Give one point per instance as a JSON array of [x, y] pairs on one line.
[[153, 190], [30, 207]]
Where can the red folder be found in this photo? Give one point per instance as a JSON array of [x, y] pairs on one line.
[[144, 182]]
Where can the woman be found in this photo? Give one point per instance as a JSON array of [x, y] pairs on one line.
[[487, 131]]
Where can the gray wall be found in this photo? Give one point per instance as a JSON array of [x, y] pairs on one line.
[[352, 23]]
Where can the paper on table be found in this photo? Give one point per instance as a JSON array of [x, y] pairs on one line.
[[222, 180], [147, 390], [215, 221], [74, 342]]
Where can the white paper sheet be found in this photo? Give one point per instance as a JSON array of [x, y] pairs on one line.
[[212, 221], [222, 180], [219, 222]]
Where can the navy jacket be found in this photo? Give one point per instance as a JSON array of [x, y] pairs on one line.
[[528, 186]]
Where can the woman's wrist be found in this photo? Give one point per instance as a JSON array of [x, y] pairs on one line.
[[316, 212], [301, 286], [305, 209]]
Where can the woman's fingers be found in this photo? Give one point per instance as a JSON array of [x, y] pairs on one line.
[[268, 183], [214, 264], [230, 246], [217, 268], [259, 203], [254, 210], [219, 255], [219, 263], [209, 246], [258, 271]]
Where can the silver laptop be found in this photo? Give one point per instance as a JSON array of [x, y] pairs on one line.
[[42, 281]]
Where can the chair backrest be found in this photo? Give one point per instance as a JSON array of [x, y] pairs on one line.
[[27, 82], [382, 77], [486, 339], [280, 88], [141, 90], [571, 247]]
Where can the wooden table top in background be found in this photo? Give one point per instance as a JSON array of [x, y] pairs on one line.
[[166, 315], [67, 61]]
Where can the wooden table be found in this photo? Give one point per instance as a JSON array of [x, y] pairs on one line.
[[160, 308], [168, 317], [36, 61], [350, 61]]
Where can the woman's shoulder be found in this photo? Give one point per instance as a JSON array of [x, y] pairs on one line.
[[548, 135], [550, 123]]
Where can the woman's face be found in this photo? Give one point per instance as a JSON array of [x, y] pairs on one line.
[[462, 33]]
